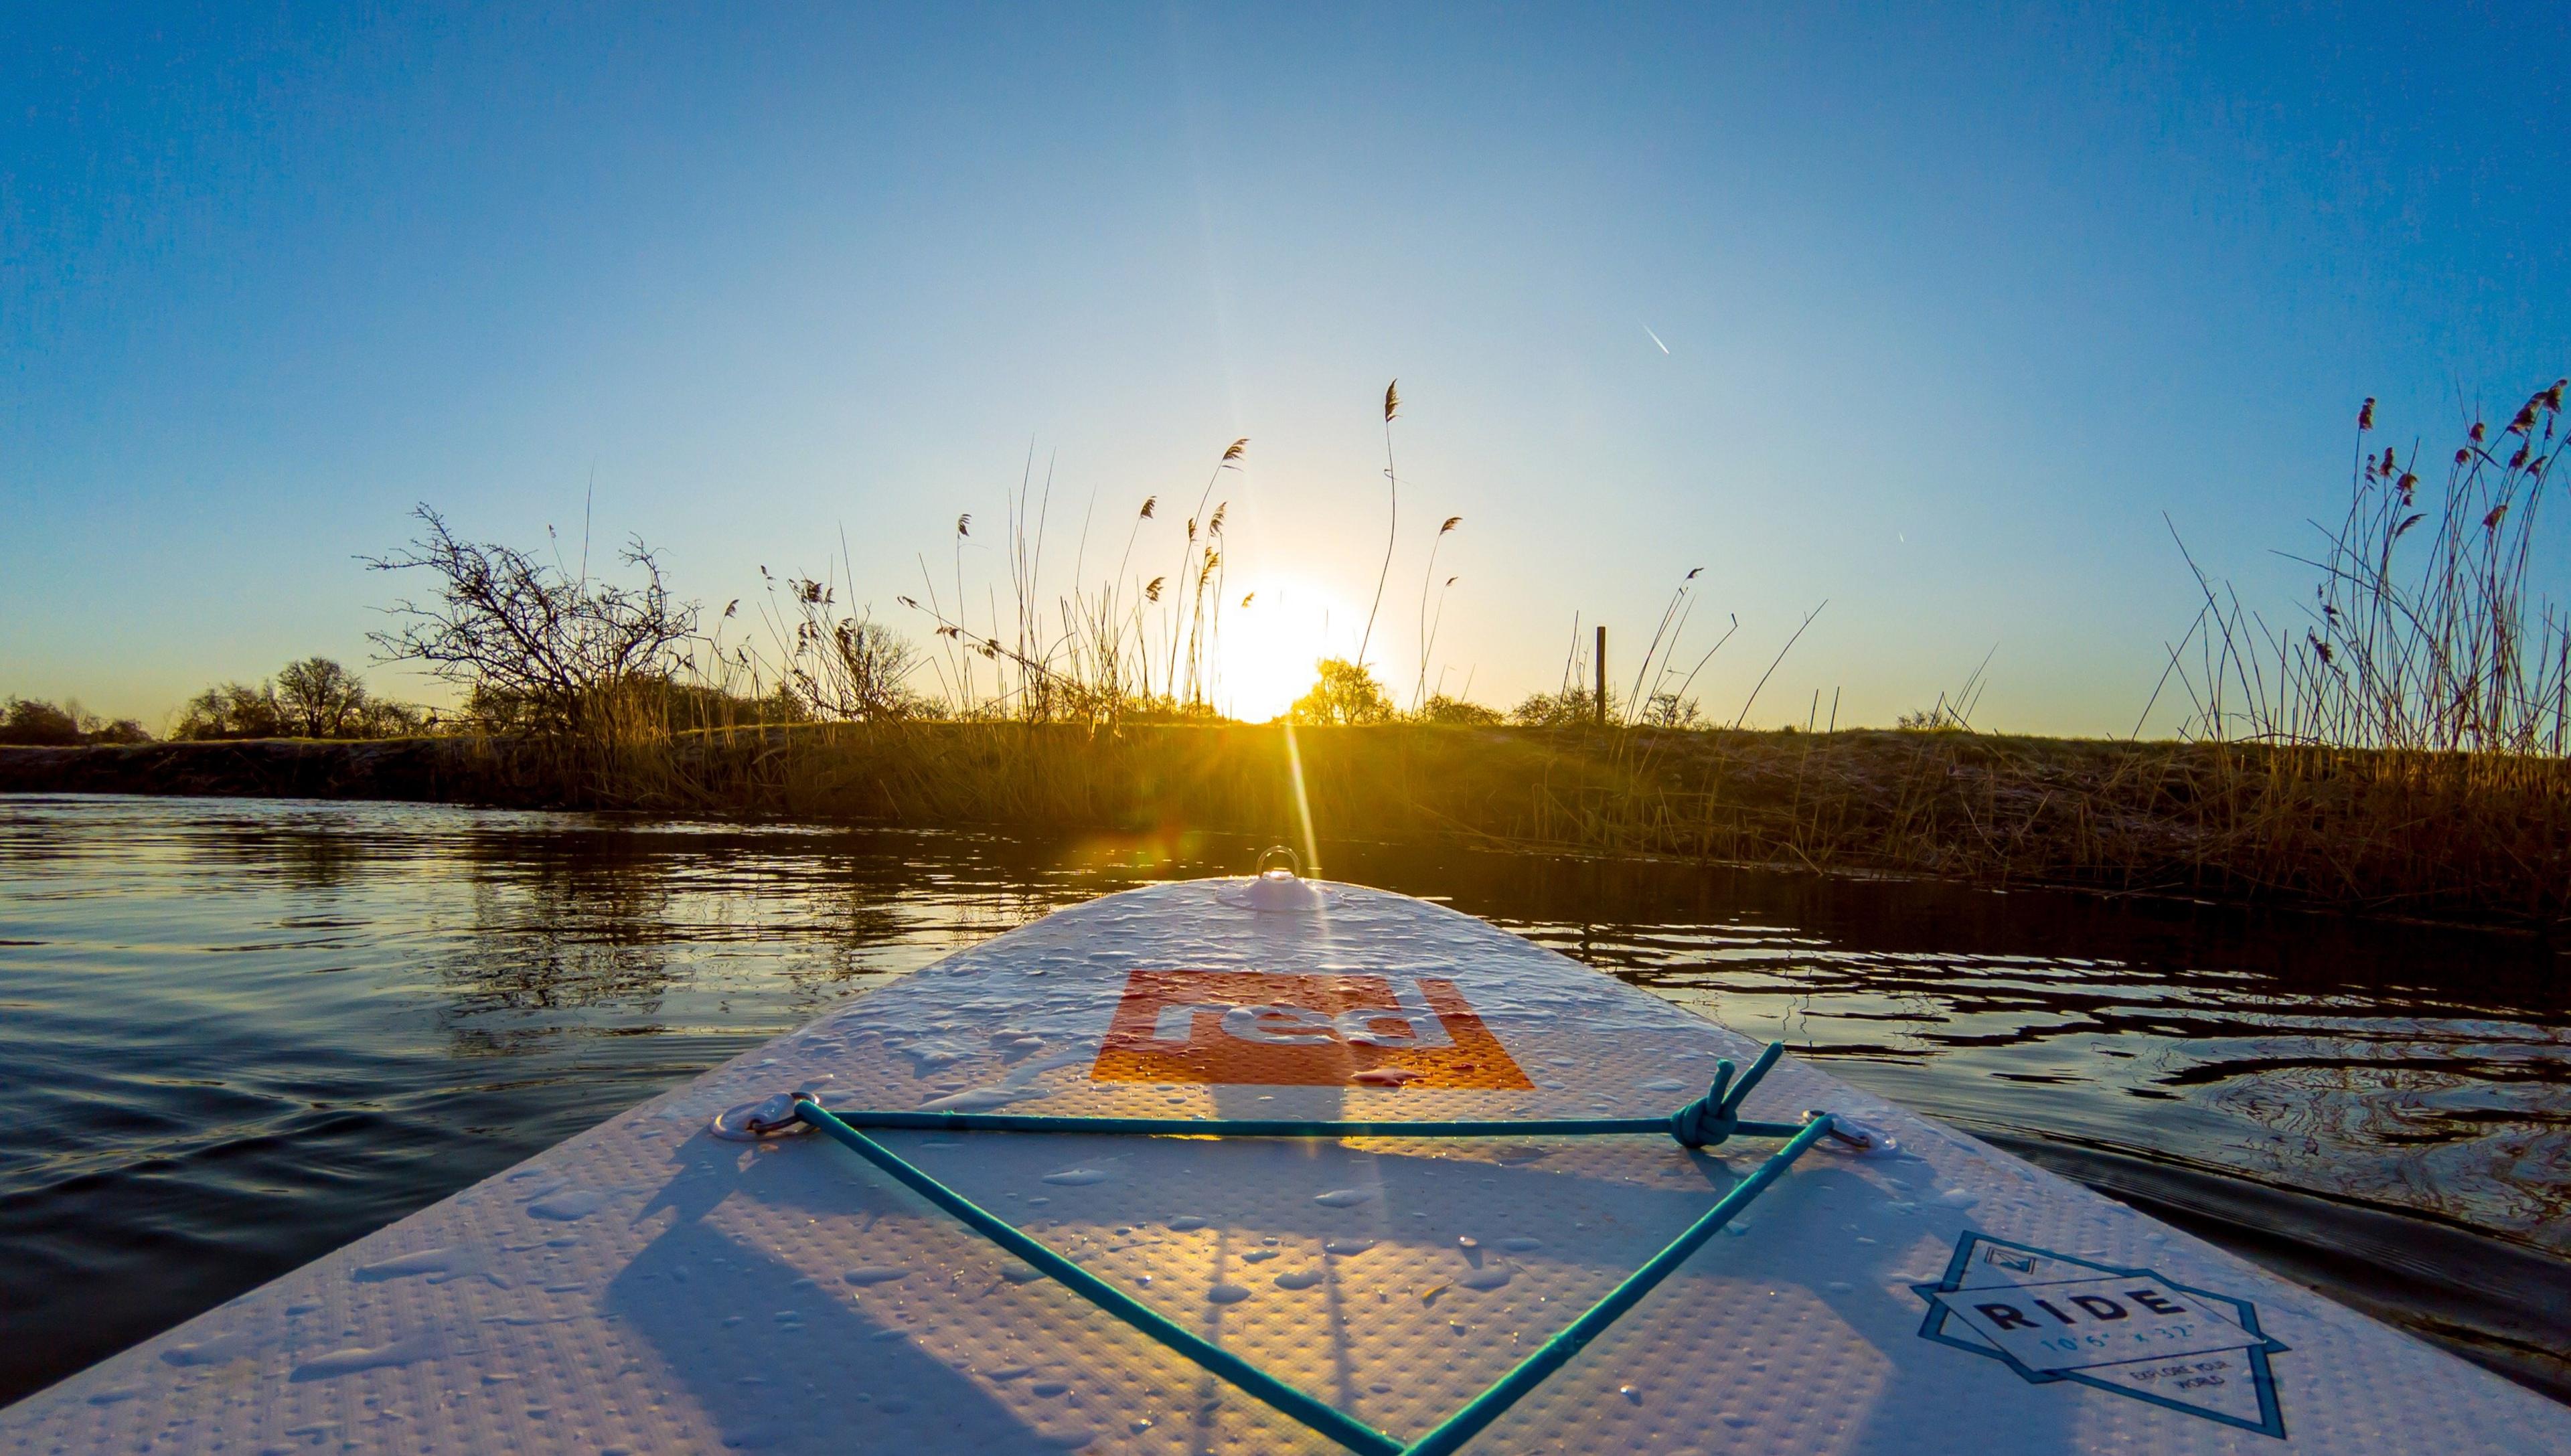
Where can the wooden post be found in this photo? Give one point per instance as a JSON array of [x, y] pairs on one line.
[[1602, 674]]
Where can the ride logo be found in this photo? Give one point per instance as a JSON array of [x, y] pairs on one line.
[[1277, 1029], [2057, 1318]]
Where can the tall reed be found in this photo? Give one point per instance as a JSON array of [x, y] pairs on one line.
[[2429, 627]]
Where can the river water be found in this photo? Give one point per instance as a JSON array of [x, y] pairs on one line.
[[235, 1034]]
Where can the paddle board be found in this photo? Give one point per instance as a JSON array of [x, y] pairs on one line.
[[652, 1286]]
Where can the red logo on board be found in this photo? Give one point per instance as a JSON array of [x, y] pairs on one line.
[[1269, 1029]]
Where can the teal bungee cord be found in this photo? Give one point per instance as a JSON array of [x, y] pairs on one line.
[[1704, 1122], [1707, 1122]]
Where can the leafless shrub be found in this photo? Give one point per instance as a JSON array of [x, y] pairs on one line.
[[541, 648]]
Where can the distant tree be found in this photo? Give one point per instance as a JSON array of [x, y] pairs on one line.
[[1344, 693], [232, 711], [1670, 710], [1570, 707], [1442, 709], [28, 722], [319, 699], [843, 667]]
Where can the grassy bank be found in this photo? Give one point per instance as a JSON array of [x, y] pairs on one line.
[[2441, 836]]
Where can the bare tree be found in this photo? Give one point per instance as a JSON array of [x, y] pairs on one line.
[[540, 648]]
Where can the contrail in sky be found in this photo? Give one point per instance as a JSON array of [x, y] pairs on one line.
[[1656, 339]]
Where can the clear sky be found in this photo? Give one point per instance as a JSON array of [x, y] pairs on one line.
[[1929, 315]]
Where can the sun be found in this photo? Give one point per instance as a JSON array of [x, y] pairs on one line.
[[1264, 660]]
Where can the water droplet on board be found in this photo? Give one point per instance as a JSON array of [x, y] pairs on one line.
[[1347, 1245], [1630, 1393], [1076, 1177], [1011, 1372], [1021, 1273], [870, 1274], [1345, 1197], [1047, 1388], [566, 1205], [1299, 1279], [1666, 1084], [1258, 1256], [1186, 1224], [1522, 1244], [1490, 1278], [1227, 1293], [361, 1357]]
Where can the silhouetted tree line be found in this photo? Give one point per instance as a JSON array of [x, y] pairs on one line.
[[314, 699], [35, 724]]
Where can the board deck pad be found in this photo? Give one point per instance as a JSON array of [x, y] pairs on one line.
[[647, 1287]]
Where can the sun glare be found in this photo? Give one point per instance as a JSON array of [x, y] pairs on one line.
[[1269, 647]]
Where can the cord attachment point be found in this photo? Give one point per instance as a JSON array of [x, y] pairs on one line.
[[1847, 1136], [773, 1115]]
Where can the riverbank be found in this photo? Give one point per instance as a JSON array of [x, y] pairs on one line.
[[2478, 838]]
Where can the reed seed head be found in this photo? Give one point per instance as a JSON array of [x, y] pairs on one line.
[[1391, 400], [2366, 415]]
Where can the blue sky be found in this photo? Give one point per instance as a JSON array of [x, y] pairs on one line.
[[1954, 308]]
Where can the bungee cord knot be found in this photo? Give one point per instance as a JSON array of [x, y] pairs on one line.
[[1715, 1117]]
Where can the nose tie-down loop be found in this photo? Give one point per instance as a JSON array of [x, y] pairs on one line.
[[1707, 1121]]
